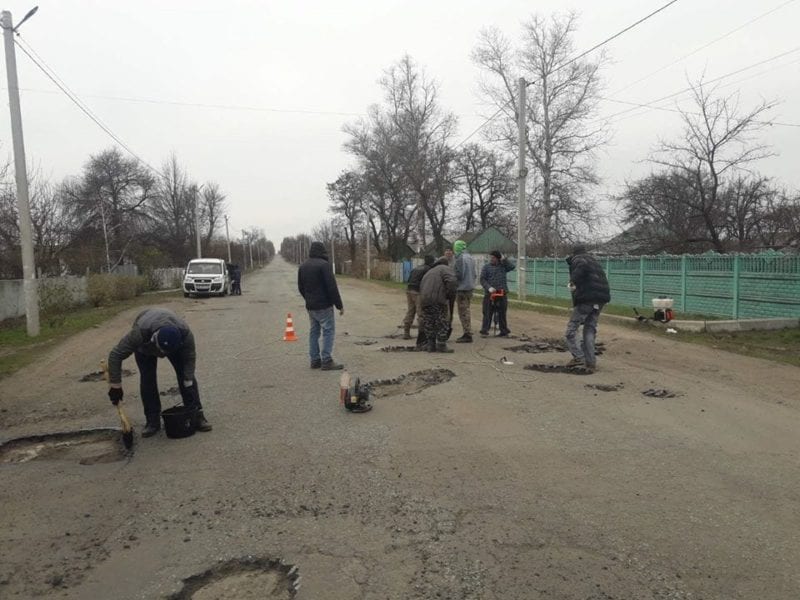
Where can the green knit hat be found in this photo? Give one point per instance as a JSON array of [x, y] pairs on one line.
[[459, 246]]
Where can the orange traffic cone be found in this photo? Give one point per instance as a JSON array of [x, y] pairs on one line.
[[289, 335]]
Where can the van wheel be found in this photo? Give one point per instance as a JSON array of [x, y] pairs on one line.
[[185, 294]]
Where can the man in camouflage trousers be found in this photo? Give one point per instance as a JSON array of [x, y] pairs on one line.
[[437, 288]]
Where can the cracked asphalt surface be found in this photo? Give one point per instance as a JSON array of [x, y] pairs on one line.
[[500, 483]]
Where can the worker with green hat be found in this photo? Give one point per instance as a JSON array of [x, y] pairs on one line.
[[465, 278]]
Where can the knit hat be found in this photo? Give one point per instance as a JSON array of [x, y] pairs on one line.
[[168, 339], [496, 254], [459, 246], [429, 260]]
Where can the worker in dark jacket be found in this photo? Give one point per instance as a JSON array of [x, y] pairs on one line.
[[438, 286], [590, 292], [495, 292], [412, 295], [317, 285], [158, 333]]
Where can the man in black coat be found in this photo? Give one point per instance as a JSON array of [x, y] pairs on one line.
[[317, 285], [590, 292]]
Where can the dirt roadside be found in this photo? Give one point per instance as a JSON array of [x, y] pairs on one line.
[[500, 483]]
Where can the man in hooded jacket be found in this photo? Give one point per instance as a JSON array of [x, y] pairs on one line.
[[158, 333], [590, 292], [465, 276], [437, 288], [495, 292], [317, 284]]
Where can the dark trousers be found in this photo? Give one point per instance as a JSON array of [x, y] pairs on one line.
[[148, 386], [499, 307]]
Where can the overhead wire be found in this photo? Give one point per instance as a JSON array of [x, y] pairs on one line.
[[680, 92], [572, 60], [53, 76], [704, 46]]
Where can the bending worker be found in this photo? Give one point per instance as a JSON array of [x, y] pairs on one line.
[[158, 333]]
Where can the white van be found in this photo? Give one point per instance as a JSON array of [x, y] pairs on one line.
[[206, 276]]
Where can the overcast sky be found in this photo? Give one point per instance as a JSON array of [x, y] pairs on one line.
[[284, 76]]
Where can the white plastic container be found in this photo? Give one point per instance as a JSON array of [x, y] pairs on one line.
[[663, 303]]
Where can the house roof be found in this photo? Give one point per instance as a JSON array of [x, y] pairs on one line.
[[483, 242]]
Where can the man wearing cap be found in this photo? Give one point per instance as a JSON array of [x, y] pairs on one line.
[[465, 278], [590, 292], [495, 292], [157, 333]]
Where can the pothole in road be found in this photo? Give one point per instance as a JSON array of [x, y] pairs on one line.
[[410, 383], [242, 579], [606, 387], [660, 393], [399, 349], [558, 369], [100, 376], [549, 345], [366, 342], [86, 447]]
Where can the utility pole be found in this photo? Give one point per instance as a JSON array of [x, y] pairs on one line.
[[228, 237], [523, 205], [244, 249], [29, 282], [197, 221], [333, 248], [369, 270]]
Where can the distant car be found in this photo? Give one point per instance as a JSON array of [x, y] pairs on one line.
[[206, 276]]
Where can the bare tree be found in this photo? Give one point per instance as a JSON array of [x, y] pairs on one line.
[[212, 208], [486, 185], [345, 196], [392, 201], [562, 97], [717, 145], [110, 197], [423, 133]]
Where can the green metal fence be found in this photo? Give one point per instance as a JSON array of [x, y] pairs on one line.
[[738, 286]]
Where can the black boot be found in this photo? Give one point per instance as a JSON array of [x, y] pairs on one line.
[[200, 423], [442, 347], [151, 428], [330, 365], [464, 339]]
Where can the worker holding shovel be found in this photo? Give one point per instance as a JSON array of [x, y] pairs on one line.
[[158, 333]]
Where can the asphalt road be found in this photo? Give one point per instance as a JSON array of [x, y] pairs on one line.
[[500, 483]]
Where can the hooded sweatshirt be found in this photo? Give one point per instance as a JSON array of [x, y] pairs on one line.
[[465, 270], [316, 282]]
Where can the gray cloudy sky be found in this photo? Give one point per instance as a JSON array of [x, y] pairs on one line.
[[253, 94]]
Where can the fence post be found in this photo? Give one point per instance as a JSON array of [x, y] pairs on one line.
[[683, 283], [535, 260], [736, 267], [641, 281], [555, 277]]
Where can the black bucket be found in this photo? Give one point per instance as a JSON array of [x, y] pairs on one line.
[[178, 421]]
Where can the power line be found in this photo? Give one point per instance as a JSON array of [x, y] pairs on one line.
[[572, 60], [57, 81], [710, 81], [703, 47]]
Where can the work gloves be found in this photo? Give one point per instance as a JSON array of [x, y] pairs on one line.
[[115, 395]]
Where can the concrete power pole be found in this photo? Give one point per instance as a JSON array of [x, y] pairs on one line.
[[523, 205], [228, 237], [21, 173], [197, 222], [369, 250]]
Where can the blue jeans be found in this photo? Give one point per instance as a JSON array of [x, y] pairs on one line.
[[586, 315], [321, 320]]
